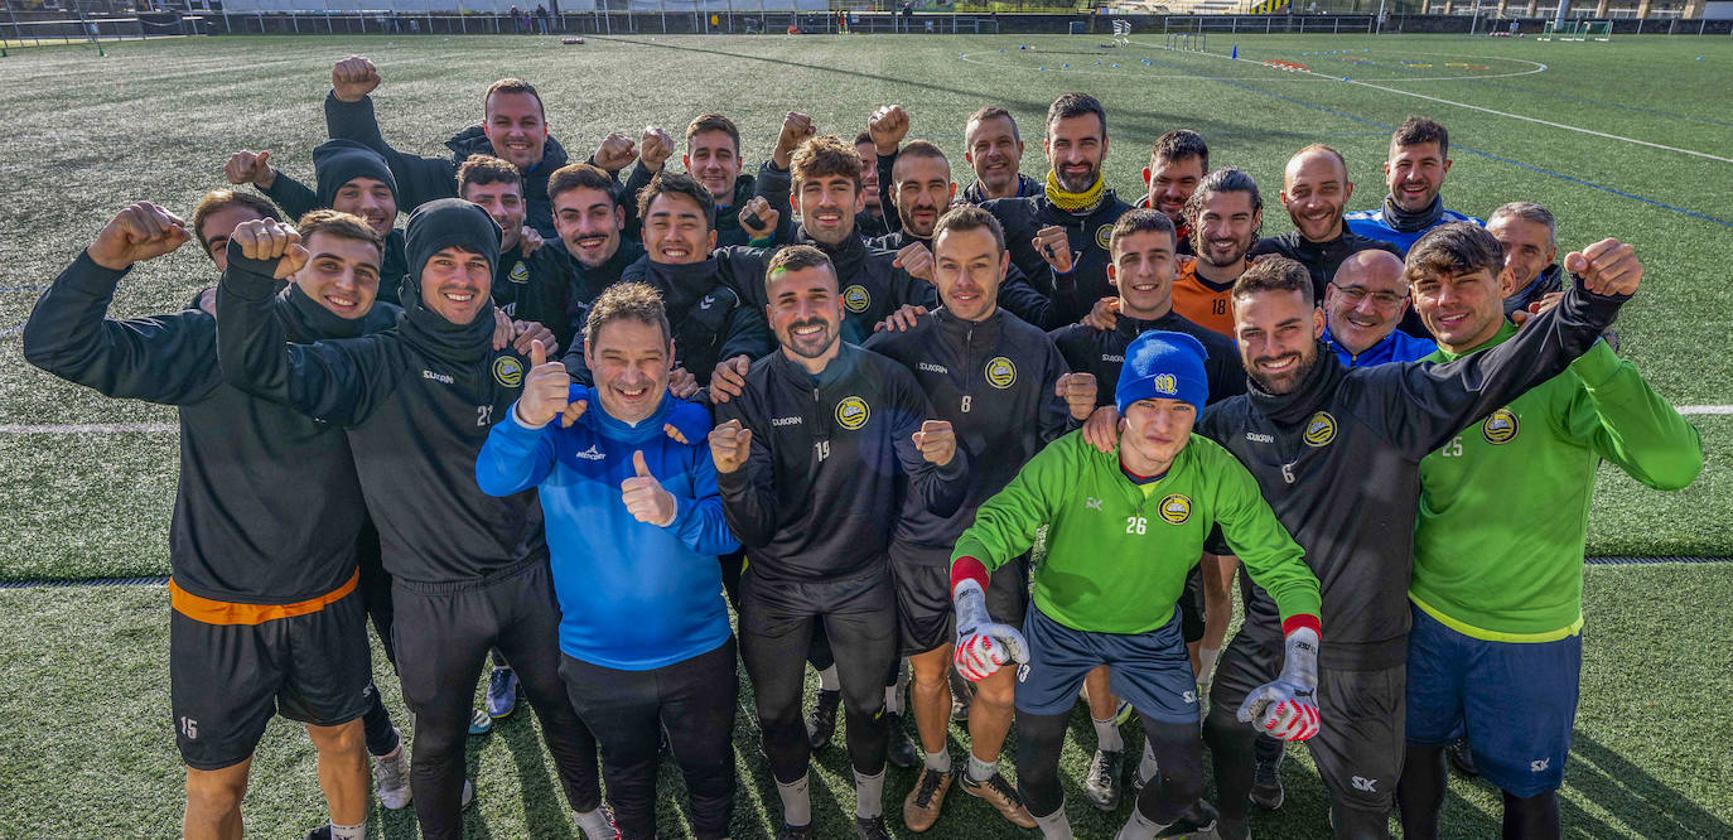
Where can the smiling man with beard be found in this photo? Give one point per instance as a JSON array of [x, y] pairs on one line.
[[1177, 165], [812, 460], [1067, 226], [1337, 454], [535, 287], [1419, 160], [1225, 214], [1315, 189], [470, 571], [591, 226]]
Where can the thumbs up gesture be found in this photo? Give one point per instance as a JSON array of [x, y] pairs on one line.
[[644, 495], [545, 389]]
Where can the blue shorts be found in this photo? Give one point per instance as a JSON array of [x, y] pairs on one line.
[[1514, 701], [1150, 669]]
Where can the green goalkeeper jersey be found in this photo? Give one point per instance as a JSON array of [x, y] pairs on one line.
[[1504, 506], [1118, 552]]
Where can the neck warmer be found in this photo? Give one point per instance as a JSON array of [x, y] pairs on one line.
[[1082, 203], [1299, 404], [683, 283], [1406, 222]]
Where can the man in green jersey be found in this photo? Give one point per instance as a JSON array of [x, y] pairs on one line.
[[1124, 529], [1498, 549]]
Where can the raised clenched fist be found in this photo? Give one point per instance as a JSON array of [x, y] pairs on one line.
[[887, 127], [730, 446], [654, 148], [353, 77], [248, 167], [269, 239], [140, 232]]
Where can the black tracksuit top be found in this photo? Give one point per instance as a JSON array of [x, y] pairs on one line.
[[417, 417], [994, 381], [1321, 259], [268, 508], [1339, 461], [831, 455], [1076, 292]]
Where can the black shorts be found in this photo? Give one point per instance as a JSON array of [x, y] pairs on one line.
[[1359, 745], [227, 680], [925, 614]]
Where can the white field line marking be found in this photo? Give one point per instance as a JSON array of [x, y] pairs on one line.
[[1441, 101], [165, 428], [970, 58]]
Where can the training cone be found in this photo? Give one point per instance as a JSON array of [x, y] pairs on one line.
[[1236, 53]]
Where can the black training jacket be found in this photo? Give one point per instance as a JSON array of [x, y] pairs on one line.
[[821, 489], [1102, 352], [994, 381], [1339, 461], [1076, 292], [710, 321], [1321, 259], [537, 288], [268, 508], [418, 403]]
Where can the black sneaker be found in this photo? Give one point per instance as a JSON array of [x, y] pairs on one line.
[[1101, 786], [796, 832], [821, 724], [321, 833], [1267, 790], [902, 752], [871, 828], [1201, 820], [1462, 758]]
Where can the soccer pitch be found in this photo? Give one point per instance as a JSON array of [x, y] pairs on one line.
[[1629, 139]]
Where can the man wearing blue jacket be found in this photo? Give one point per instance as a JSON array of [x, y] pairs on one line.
[[634, 525], [1364, 303]]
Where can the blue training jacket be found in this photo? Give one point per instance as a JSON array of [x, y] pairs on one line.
[[1371, 224], [1398, 346], [634, 596]]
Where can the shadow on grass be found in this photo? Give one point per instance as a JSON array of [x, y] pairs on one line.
[[1645, 804]]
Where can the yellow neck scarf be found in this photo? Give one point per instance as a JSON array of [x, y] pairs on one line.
[[1072, 202]]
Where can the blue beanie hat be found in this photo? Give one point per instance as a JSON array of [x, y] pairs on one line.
[[1163, 365]]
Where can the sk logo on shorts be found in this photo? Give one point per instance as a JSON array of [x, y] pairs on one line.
[[508, 371], [1190, 697], [856, 298], [1175, 509], [1499, 427], [1320, 430], [852, 413], [1001, 373], [1539, 766], [1104, 236], [520, 273], [1361, 783]]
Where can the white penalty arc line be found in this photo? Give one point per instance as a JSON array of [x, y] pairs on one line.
[[1536, 120], [165, 428]]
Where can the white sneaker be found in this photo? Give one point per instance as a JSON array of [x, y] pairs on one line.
[[468, 794], [391, 777]]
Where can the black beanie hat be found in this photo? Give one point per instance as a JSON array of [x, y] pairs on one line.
[[337, 162], [446, 223]]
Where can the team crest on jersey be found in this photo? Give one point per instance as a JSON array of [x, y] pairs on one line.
[[520, 273], [856, 298], [1104, 236], [508, 371], [1321, 429], [1499, 427], [1166, 384], [1001, 373], [1175, 509], [852, 413]]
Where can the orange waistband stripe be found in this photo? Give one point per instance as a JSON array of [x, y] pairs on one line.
[[210, 611]]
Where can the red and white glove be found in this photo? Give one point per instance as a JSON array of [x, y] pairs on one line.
[[1287, 708], [983, 646]]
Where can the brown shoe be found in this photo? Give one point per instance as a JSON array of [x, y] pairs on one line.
[[1001, 795], [921, 806]]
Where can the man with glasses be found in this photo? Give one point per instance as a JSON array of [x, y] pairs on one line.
[[1363, 304]]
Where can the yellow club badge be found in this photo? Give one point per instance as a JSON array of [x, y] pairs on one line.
[[1165, 384], [508, 371], [1175, 509], [852, 413], [1001, 373], [1321, 429], [856, 298], [520, 273], [1499, 427], [1104, 236]]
